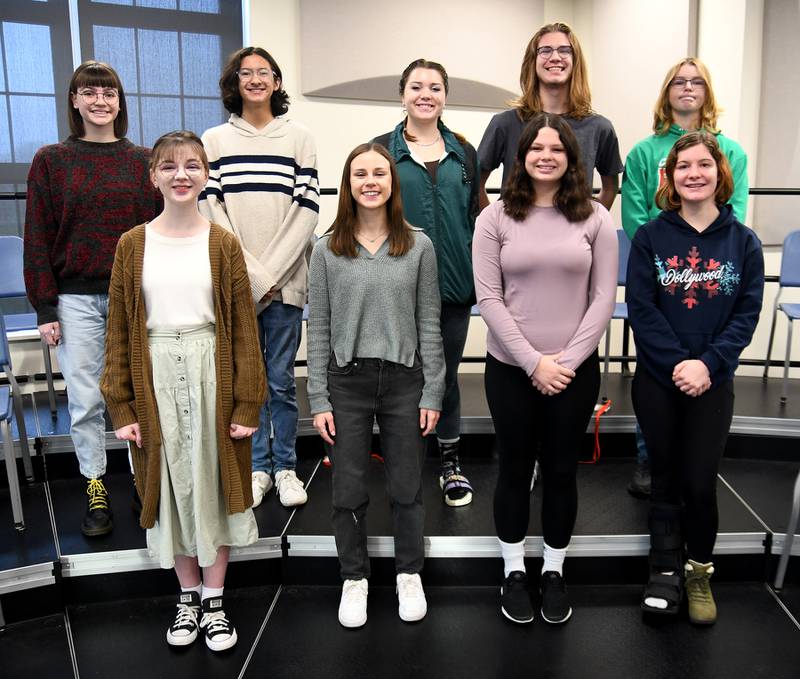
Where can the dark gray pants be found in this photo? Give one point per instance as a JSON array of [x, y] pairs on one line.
[[454, 323], [363, 391]]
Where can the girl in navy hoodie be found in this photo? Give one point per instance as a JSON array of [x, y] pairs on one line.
[[694, 290]]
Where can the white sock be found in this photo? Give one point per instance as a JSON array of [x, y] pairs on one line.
[[211, 592], [513, 556], [554, 559], [455, 440], [656, 602], [196, 588]]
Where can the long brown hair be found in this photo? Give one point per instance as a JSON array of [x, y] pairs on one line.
[[579, 103], [433, 66], [342, 241], [667, 197], [573, 197], [229, 82], [709, 112], [96, 74]]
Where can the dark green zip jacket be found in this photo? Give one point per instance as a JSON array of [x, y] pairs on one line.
[[445, 210]]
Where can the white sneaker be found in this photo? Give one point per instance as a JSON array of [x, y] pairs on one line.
[[411, 597], [262, 484], [290, 488], [353, 605]]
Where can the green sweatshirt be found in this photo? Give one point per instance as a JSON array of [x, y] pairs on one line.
[[644, 168]]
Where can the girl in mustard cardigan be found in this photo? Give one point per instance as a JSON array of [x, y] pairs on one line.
[[184, 382]]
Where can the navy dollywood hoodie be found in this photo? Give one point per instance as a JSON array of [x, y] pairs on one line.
[[694, 295]]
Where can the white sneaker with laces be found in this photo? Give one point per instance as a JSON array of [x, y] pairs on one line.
[[262, 484], [353, 604], [290, 488], [411, 597]]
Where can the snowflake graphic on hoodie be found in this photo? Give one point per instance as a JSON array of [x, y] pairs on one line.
[[695, 276]]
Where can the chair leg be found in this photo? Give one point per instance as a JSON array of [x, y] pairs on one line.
[[626, 348], [790, 531], [771, 335], [13, 478], [785, 390], [19, 413], [604, 383], [48, 371]]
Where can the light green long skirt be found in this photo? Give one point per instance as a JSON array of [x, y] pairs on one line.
[[192, 518]]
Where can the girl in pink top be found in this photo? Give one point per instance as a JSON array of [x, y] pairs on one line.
[[545, 262]]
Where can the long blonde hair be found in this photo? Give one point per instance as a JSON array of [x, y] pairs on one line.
[[579, 104], [709, 112]]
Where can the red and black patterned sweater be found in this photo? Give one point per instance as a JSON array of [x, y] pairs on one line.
[[82, 196]]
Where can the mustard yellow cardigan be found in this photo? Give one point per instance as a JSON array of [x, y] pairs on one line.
[[127, 382]]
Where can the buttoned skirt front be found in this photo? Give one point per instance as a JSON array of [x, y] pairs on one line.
[[192, 518]]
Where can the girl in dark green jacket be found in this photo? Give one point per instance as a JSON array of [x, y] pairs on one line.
[[438, 172]]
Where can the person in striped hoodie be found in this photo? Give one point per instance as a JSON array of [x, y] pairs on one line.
[[263, 187]]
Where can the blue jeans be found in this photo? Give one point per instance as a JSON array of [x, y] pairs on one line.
[[641, 446], [280, 327], [81, 355]]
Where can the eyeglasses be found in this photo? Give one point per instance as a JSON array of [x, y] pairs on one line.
[[91, 96], [547, 51], [697, 83], [248, 73]]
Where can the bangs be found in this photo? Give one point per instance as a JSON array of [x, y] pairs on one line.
[[171, 149], [97, 76]]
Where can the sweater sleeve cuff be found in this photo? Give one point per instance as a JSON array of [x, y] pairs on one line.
[[431, 401], [319, 404], [711, 362], [246, 413], [46, 314], [122, 414]]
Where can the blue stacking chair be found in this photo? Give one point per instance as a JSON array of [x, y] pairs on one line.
[[5, 367], [620, 308], [789, 278], [12, 284], [8, 454]]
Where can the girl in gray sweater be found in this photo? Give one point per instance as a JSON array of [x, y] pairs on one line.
[[375, 353]]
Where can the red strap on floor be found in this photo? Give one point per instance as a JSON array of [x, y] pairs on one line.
[[598, 414]]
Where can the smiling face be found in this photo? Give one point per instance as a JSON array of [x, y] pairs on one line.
[[180, 176], [258, 82], [687, 98], [97, 106], [555, 69], [546, 160], [695, 175], [370, 180], [424, 95]]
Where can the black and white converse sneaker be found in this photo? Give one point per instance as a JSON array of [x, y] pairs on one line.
[[183, 631], [220, 633], [515, 601]]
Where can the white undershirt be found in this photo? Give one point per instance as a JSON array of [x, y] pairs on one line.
[[176, 281]]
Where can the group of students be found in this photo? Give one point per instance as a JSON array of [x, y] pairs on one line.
[[172, 324]]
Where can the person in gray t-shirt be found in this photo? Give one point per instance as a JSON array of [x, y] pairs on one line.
[[554, 79]]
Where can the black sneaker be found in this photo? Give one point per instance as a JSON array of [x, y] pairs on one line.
[[555, 602], [98, 519], [183, 631], [455, 486], [220, 633], [515, 602], [640, 481]]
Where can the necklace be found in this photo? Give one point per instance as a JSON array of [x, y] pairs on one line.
[[372, 240], [419, 143]]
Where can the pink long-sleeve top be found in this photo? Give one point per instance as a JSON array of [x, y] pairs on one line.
[[544, 284]]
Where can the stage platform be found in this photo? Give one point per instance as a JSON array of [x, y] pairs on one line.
[[99, 607]]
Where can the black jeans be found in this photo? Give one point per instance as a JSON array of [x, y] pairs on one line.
[[363, 391], [528, 425], [455, 326], [685, 437]]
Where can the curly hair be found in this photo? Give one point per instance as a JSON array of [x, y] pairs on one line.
[[667, 197], [342, 239], [580, 96], [229, 82], [573, 197], [709, 112], [96, 74]]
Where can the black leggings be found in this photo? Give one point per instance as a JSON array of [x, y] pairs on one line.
[[686, 438], [528, 425]]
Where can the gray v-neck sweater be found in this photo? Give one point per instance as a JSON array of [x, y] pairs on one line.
[[374, 306]]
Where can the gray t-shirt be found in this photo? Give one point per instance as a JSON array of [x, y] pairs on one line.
[[596, 138], [374, 306]]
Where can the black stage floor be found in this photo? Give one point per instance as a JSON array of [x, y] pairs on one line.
[[99, 608]]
